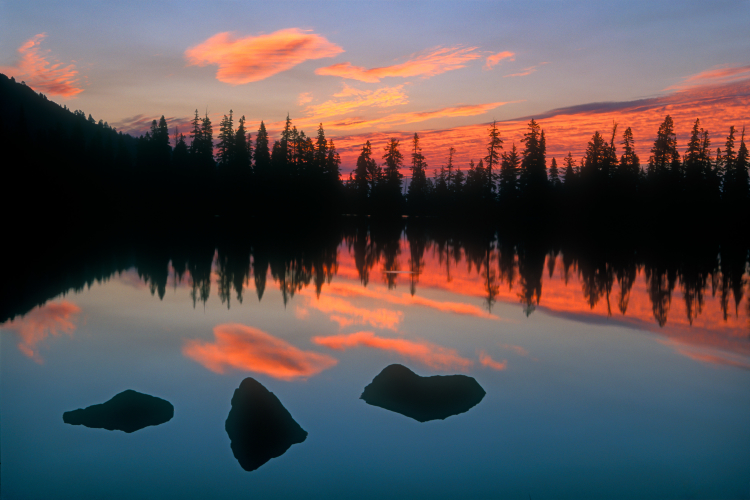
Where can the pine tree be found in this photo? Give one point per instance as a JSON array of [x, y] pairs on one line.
[[417, 190], [533, 178], [262, 154], [494, 149], [664, 152], [554, 175], [226, 141], [509, 175], [365, 173], [333, 164], [393, 160], [241, 157], [570, 166], [630, 165], [196, 135], [321, 150]]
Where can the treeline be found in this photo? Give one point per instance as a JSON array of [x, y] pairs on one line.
[[232, 172], [217, 259]]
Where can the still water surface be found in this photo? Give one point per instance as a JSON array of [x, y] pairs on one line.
[[602, 380]]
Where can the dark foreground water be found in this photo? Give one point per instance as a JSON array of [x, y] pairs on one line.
[[607, 374]]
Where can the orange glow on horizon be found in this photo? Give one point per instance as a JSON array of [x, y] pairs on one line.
[[428, 64], [252, 58], [431, 355], [249, 349], [34, 68], [52, 318], [570, 129]]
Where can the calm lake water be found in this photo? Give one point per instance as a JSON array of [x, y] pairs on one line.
[[608, 374]]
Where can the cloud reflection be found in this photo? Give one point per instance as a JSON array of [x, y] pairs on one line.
[[52, 318], [246, 348], [431, 355]]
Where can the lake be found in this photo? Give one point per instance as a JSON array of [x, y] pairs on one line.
[[612, 369]]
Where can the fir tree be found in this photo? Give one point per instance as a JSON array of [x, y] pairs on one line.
[[226, 141], [554, 175], [494, 149], [262, 154]]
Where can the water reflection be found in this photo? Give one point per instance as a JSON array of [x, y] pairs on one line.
[[400, 390], [128, 411], [246, 348], [259, 426], [693, 291]]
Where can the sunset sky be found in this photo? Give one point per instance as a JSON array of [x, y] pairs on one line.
[[387, 69]]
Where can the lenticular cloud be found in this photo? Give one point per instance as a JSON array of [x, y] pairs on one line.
[[250, 59]]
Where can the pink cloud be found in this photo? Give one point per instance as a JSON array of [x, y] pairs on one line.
[[40, 74], [252, 58], [716, 76], [52, 318], [526, 71], [495, 59], [428, 64], [431, 355], [249, 349]]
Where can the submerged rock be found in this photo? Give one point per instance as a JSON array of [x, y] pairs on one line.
[[259, 426], [128, 411], [400, 390]]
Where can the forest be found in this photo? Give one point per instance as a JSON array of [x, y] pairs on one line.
[[60, 158]]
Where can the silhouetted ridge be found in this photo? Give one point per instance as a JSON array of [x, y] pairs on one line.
[[259, 426], [400, 390], [128, 411]]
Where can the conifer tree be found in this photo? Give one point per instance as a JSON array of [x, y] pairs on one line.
[[494, 149], [533, 175], [554, 175], [364, 173], [226, 141], [241, 157], [629, 163], [570, 174], [417, 190], [664, 152], [509, 175], [262, 154], [392, 172], [333, 164]]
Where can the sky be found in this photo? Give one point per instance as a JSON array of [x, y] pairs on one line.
[[379, 69]]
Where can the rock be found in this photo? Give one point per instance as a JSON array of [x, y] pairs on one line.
[[128, 411], [259, 426], [400, 390]]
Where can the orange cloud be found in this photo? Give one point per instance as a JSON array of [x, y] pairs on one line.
[[414, 117], [725, 74], [526, 71], [254, 58], [304, 98], [431, 355], [246, 348], [487, 361], [494, 59], [49, 319], [39, 74], [425, 65], [350, 99]]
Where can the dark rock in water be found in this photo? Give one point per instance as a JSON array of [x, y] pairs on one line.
[[129, 411], [259, 426], [400, 390]]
